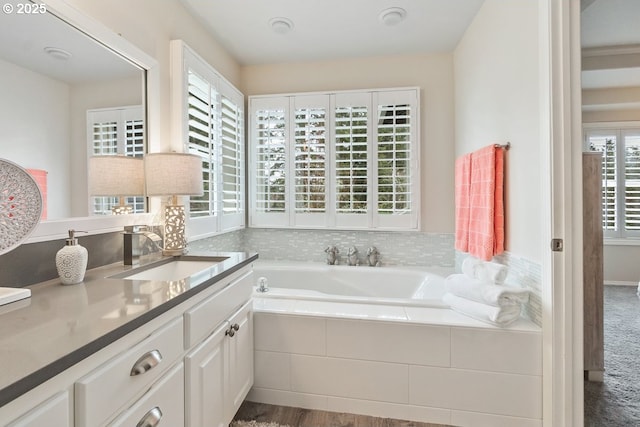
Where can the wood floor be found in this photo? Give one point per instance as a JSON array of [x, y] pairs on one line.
[[298, 417]]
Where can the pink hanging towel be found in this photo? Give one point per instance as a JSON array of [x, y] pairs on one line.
[[462, 188], [486, 226]]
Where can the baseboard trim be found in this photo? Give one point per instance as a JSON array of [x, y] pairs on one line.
[[619, 283]]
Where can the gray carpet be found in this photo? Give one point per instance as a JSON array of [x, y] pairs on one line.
[[616, 401]]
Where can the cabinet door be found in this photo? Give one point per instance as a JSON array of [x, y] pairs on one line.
[[54, 413], [206, 367], [240, 347], [162, 405]]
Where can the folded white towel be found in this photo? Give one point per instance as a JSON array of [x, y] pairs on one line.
[[500, 316], [485, 271], [487, 293]]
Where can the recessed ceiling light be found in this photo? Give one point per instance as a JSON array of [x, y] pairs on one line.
[[58, 53], [392, 16], [281, 25]]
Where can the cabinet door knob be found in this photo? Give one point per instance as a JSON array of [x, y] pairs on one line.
[[146, 362], [230, 332], [151, 418], [235, 326]]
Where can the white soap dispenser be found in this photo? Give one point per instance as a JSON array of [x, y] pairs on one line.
[[71, 261]]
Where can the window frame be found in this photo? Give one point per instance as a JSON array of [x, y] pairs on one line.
[[619, 129], [184, 59], [372, 99]]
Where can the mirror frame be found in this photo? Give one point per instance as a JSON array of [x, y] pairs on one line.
[[57, 229]]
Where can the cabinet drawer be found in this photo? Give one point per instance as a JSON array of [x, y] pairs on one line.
[[105, 390], [54, 413], [204, 318], [162, 405]]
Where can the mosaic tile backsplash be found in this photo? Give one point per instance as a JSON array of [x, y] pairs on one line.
[[396, 248]]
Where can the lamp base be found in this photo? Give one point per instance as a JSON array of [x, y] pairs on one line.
[[175, 242]]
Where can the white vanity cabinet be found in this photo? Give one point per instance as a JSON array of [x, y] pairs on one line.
[[219, 370], [191, 365]]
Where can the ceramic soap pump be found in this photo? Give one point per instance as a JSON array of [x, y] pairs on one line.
[[71, 260]]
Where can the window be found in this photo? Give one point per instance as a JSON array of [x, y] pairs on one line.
[[212, 124], [116, 131], [335, 160], [620, 148]]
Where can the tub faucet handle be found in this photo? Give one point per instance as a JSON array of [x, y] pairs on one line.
[[332, 255]]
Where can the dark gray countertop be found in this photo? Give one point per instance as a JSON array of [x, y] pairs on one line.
[[58, 326]]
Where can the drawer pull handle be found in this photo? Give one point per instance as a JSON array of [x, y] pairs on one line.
[[146, 362], [232, 330], [151, 418]]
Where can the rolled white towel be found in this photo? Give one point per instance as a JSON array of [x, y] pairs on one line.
[[493, 272], [472, 267], [486, 293], [499, 316], [485, 271]]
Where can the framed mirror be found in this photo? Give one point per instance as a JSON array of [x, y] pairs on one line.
[[60, 70]]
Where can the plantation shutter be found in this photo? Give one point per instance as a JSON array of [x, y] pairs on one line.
[[212, 116], [309, 154], [203, 131], [397, 160], [335, 160], [620, 150], [631, 140], [353, 154], [269, 163], [232, 157]]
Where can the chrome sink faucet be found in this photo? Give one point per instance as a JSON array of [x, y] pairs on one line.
[[139, 240]]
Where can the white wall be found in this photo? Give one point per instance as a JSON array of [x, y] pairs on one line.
[[34, 129], [497, 100], [432, 73], [151, 25]]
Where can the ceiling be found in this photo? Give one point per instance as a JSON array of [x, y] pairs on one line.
[[24, 37], [332, 29], [610, 28]]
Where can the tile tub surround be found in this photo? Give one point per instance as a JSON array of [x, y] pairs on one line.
[[396, 247], [428, 365]]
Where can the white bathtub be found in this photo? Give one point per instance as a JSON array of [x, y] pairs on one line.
[[339, 283]]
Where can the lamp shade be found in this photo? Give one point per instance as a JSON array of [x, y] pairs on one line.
[[116, 176], [173, 174]]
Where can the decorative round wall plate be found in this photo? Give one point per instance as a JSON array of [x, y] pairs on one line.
[[20, 205]]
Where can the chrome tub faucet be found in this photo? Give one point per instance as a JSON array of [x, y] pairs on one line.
[[373, 257], [352, 256]]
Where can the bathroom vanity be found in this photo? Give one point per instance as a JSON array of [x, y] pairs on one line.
[[128, 348]]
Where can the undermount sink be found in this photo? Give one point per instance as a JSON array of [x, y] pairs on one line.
[[177, 269]]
